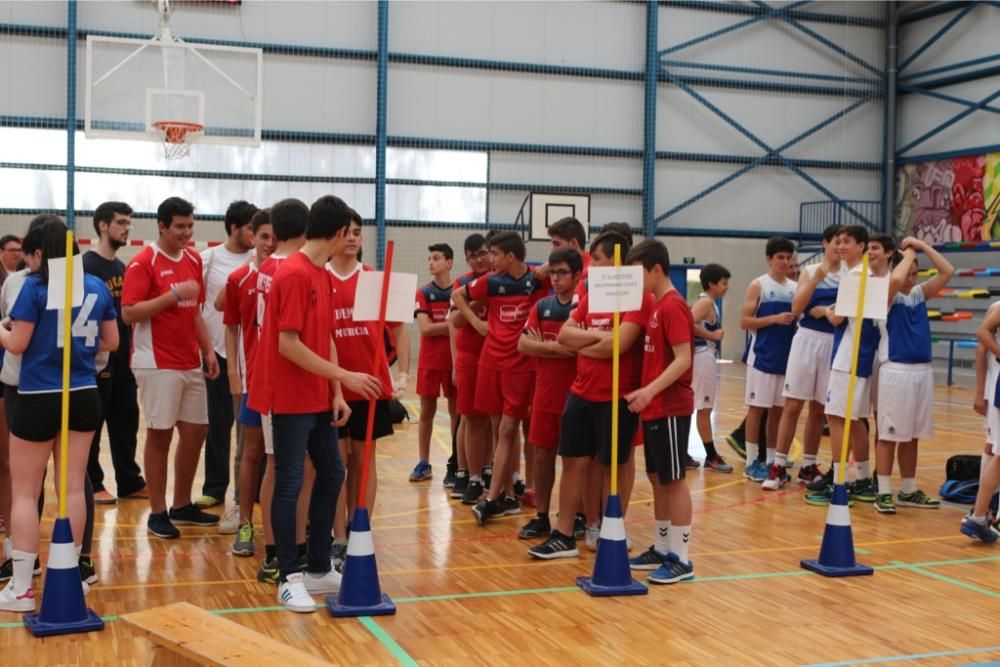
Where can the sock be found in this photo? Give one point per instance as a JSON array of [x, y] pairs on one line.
[[836, 473], [771, 451], [978, 519], [752, 450], [864, 470], [302, 549], [909, 485], [680, 539], [808, 460], [885, 484], [8, 546], [662, 536], [24, 564], [270, 551], [780, 458], [476, 478], [461, 473], [710, 449], [516, 477]]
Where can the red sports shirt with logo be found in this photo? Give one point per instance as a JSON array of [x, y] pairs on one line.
[[670, 323], [508, 301], [553, 376], [468, 342], [241, 310], [167, 340], [356, 341], [435, 351]]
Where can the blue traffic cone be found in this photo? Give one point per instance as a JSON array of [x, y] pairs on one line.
[[360, 594], [612, 575], [63, 608], [836, 554]]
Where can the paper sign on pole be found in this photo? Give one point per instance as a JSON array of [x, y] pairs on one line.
[[614, 288], [368, 296], [57, 283], [876, 296]]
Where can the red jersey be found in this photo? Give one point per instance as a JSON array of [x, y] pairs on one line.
[[357, 342], [241, 311], [300, 299], [593, 376], [435, 351], [553, 377], [468, 342], [670, 323], [508, 301], [265, 274], [167, 340]]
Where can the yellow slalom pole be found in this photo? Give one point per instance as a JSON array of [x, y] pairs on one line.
[[845, 441], [67, 344], [615, 346]]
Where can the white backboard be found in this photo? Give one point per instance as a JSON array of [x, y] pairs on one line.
[[548, 208]]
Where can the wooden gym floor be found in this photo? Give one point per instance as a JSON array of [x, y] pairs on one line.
[[469, 595]]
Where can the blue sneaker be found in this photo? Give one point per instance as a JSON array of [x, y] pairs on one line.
[[755, 471], [978, 531], [672, 571], [422, 472], [650, 559]]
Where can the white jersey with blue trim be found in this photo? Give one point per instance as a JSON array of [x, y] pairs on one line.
[[906, 338], [707, 344], [769, 346]]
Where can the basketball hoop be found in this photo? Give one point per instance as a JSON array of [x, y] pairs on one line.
[[177, 137]]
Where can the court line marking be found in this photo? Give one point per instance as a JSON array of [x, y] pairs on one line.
[[911, 656], [948, 580], [384, 638]]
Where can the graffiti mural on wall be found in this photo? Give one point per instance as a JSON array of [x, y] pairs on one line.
[[950, 200]]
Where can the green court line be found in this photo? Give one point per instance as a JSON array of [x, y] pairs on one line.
[[912, 656], [397, 651], [486, 594], [949, 580]]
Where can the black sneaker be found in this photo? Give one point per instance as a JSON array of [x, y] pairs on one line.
[[557, 546], [862, 490], [487, 476], [449, 478], [519, 488], [87, 571], [472, 493], [7, 569], [509, 505], [539, 526], [461, 484], [159, 524], [192, 516], [579, 526], [822, 483], [485, 509]]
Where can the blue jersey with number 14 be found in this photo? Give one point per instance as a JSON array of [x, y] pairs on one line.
[[41, 363]]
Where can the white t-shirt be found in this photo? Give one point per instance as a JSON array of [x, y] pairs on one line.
[[217, 264], [11, 373]]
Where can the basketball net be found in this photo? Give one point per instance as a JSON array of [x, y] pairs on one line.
[[177, 137]]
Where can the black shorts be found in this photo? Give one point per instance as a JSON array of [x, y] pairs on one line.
[[36, 417], [665, 444], [358, 421], [585, 430], [9, 402]]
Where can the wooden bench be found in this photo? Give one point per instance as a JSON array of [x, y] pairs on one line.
[[184, 634]]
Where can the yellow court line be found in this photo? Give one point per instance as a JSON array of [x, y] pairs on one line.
[[411, 512], [165, 584]]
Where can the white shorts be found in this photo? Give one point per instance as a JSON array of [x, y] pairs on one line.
[[763, 390], [991, 422], [905, 403], [170, 396], [836, 396], [705, 382], [808, 372], [268, 429]]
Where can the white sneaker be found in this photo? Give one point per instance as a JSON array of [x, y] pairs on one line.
[[592, 536], [320, 584], [11, 602], [86, 588], [230, 521], [292, 593]]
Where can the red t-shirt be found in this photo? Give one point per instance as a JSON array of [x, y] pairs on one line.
[[357, 342], [593, 376], [468, 342], [508, 301], [553, 377], [241, 311], [300, 299], [670, 323], [435, 351], [167, 340], [265, 274]]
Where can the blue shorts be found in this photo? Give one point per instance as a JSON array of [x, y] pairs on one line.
[[248, 416]]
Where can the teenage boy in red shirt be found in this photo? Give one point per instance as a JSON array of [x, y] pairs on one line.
[[296, 350], [665, 401], [505, 381], [433, 301]]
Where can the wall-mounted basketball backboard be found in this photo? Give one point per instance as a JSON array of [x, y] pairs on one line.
[[547, 208], [135, 85]]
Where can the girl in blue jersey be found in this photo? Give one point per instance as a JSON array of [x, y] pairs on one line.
[[906, 378], [35, 333]]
